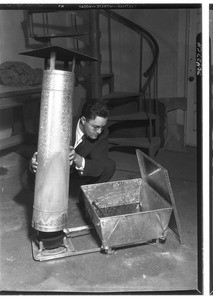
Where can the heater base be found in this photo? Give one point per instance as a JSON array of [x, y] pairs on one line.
[[66, 249]]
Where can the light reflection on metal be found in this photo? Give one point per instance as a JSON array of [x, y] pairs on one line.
[[133, 211], [159, 181], [50, 208]]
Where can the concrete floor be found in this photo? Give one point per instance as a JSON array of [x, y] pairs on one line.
[[142, 268]]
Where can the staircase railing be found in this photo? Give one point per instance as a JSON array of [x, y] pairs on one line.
[[148, 89], [143, 34]]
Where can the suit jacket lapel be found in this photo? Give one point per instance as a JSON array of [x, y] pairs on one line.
[[85, 147]]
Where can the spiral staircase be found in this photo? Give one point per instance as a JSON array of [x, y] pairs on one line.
[[134, 120]]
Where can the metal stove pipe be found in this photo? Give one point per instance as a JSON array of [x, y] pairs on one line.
[[50, 209]]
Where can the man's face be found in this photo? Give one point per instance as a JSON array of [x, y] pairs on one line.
[[93, 127]]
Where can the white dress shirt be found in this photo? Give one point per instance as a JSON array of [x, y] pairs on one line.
[[78, 139]]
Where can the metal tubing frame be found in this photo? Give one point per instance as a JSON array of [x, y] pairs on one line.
[[68, 249]]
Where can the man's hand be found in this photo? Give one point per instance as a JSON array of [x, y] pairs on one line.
[[74, 157], [34, 163]]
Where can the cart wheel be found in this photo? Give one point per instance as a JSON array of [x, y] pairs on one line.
[[162, 240], [107, 250]]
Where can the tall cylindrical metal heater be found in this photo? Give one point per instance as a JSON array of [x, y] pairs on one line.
[[50, 209]]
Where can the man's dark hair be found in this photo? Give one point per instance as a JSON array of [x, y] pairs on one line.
[[94, 108]]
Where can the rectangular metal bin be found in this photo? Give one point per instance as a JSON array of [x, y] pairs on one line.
[[133, 211]]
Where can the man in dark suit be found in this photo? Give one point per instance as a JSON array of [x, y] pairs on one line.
[[88, 156]]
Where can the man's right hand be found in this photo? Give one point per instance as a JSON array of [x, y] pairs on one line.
[[34, 163]]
